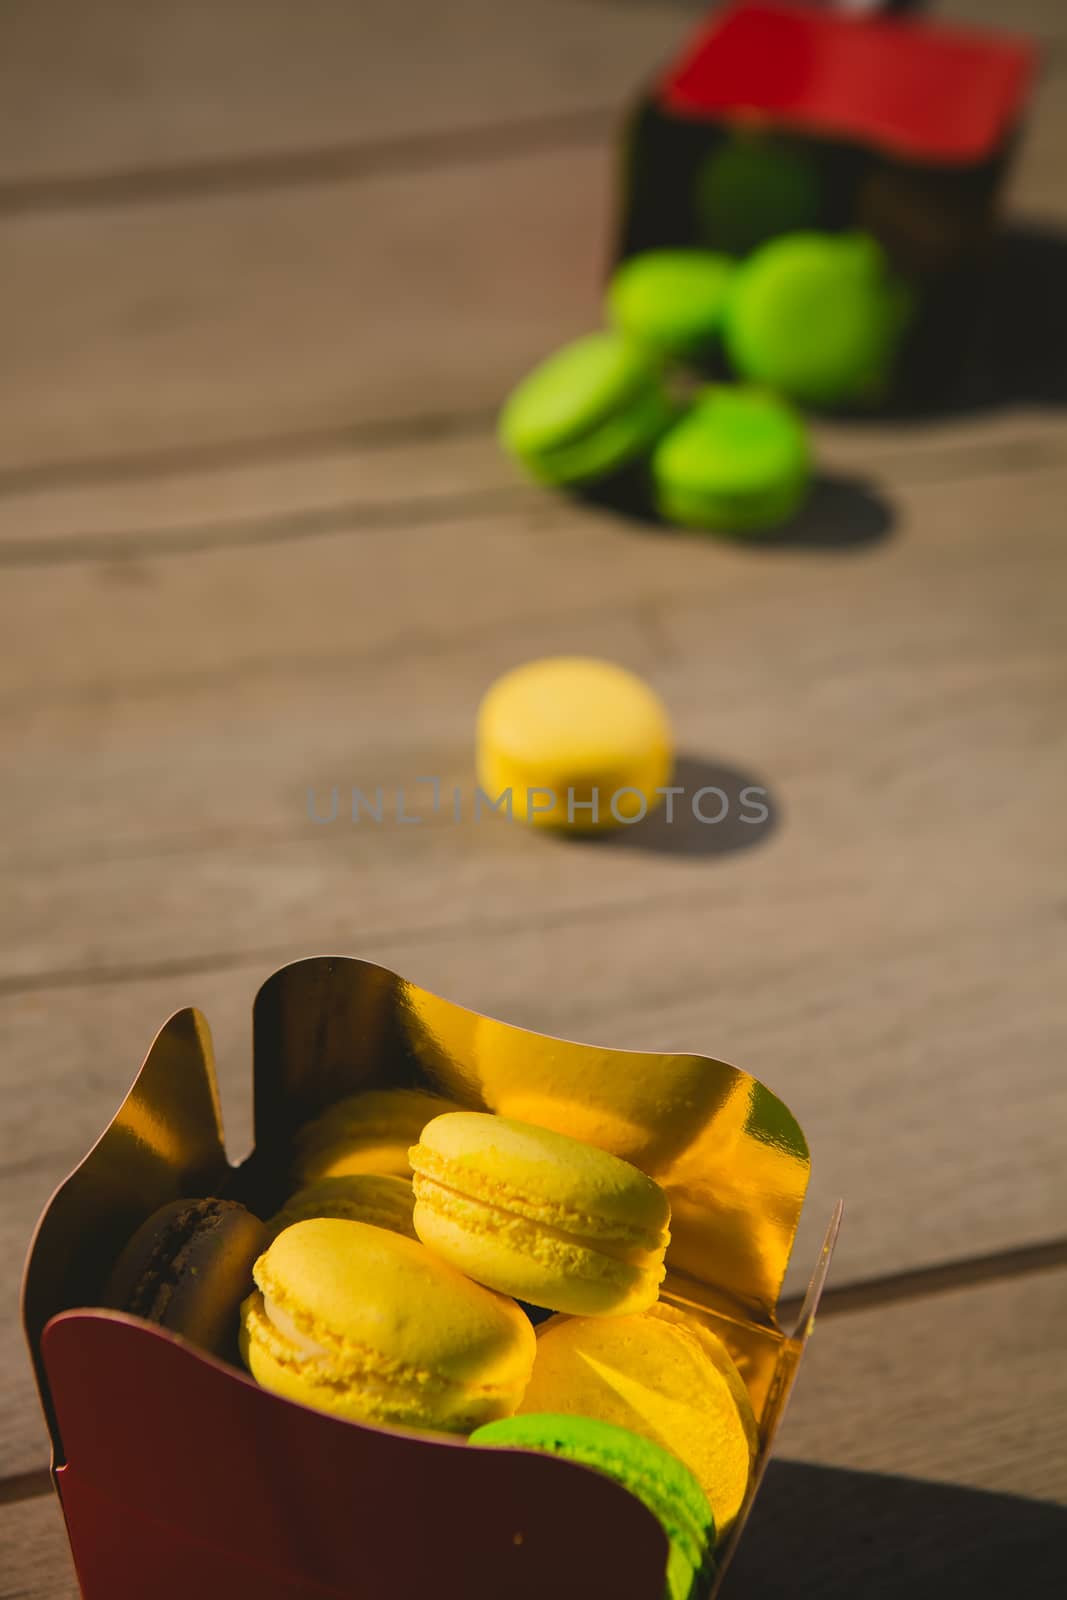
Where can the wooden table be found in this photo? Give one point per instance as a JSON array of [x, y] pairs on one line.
[[267, 271]]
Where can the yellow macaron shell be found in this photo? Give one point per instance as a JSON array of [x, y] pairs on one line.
[[370, 1131], [573, 723], [662, 1375], [361, 1322], [534, 1213], [380, 1199]]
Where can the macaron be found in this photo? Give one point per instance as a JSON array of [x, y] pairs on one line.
[[371, 1326], [371, 1131], [662, 1482], [381, 1200], [579, 744], [673, 301], [538, 1215], [817, 316], [665, 1376], [187, 1269], [587, 411], [737, 462], [752, 187]]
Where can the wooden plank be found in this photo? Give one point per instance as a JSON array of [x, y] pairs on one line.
[[275, 493], [913, 1438], [113, 624], [203, 801], [904, 1460], [34, 1555], [405, 295], [858, 1021], [148, 89], [979, 1360], [271, 493], [1041, 20], [200, 320]]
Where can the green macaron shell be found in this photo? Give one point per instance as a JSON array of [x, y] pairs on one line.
[[752, 187], [816, 316], [659, 1479], [671, 300], [737, 462], [586, 411]]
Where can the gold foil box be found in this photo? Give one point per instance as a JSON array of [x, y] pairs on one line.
[[118, 1393]]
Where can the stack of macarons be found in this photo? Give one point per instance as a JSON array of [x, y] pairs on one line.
[[806, 318], [425, 1317], [411, 1301]]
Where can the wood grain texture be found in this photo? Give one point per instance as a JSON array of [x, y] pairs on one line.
[[256, 538], [968, 1428], [977, 1363], [328, 305], [274, 492], [147, 89], [163, 805], [922, 1455], [169, 325], [34, 1556]]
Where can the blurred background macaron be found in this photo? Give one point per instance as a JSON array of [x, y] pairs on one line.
[[587, 411], [753, 186], [737, 462], [673, 301], [581, 744], [817, 316]]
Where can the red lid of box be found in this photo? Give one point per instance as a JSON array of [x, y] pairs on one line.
[[925, 92]]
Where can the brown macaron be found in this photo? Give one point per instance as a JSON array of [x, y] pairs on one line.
[[187, 1268]]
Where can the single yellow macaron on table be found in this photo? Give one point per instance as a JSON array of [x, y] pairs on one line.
[[575, 743]]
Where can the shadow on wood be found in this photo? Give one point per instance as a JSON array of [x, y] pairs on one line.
[[826, 1532], [722, 809], [841, 513]]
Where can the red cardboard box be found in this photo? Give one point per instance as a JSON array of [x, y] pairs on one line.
[[778, 117], [178, 1475]]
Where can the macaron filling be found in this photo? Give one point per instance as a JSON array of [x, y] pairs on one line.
[[289, 1329], [438, 1183], [387, 1389], [369, 1325], [605, 445], [587, 410]]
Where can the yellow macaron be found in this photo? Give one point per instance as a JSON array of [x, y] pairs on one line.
[[361, 1322], [576, 743], [539, 1215], [380, 1199], [663, 1375], [371, 1131]]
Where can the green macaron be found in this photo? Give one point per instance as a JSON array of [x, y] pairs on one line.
[[671, 300], [587, 411], [753, 186], [664, 1484], [736, 462], [817, 316]]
